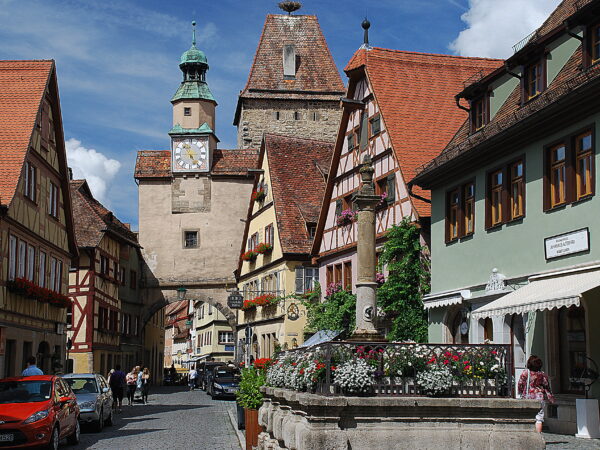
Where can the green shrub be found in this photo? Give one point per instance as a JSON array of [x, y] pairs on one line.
[[248, 394]]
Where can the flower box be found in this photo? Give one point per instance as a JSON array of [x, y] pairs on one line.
[[31, 290], [250, 255], [261, 300], [259, 195], [263, 248]]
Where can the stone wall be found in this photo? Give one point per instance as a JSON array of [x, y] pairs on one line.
[[301, 118], [302, 421]]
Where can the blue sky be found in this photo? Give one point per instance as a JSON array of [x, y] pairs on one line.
[[118, 60]]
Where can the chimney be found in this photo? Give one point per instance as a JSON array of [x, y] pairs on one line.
[[289, 62]]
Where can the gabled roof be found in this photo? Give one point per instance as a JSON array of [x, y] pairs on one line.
[[317, 76], [22, 87], [157, 163], [92, 219], [511, 114], [415, 95], [297, 187]]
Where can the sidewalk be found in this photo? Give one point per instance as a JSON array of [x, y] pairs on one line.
[[569, 442]]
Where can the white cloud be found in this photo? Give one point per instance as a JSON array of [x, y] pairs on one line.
[[96, 168], [494, 26]]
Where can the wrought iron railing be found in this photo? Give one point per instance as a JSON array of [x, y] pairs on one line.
[[471, 370], [530, 38]]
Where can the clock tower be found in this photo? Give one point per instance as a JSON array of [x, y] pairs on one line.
[[193, 138]]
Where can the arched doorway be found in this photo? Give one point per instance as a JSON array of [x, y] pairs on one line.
[[457, 326]]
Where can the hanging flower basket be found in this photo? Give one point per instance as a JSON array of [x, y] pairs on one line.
[[346, 217], [248, 305], [250, 255], [259, 195], [263, 248], [383, 204], [31, 290]]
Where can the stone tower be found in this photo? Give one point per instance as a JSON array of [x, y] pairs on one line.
[[294, 86]]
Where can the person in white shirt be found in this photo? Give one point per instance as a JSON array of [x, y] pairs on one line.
[[192, 378]]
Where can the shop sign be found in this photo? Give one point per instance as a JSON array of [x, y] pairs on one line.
[[567, 243]]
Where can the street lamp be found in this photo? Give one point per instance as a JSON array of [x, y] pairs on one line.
[[181, 291]]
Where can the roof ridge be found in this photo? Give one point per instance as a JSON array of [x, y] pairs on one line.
[[286, 136], [443, 55]]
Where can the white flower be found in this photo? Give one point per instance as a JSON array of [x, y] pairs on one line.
[[436, 380], [354, 376], [481, 363]]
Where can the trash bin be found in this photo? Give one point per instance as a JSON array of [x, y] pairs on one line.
[[241, 422]]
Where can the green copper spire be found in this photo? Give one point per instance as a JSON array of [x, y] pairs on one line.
[[194, 65]]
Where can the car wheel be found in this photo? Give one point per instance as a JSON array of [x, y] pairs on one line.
[[54, 440], [109, 420], [100, 422], [73, 439]]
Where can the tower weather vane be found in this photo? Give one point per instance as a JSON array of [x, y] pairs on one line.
[[290, 7]]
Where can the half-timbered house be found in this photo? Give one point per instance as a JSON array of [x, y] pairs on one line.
[[398, 109], [36, 225], [95, 320]]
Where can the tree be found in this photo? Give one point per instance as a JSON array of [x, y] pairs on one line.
[[336, 312], [401, 296]]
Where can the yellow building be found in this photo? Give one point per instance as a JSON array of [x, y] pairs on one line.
[[36, 225], [275, 263], [213, 335]]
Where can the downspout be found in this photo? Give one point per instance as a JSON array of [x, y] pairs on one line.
[[464, 108], [512, 74], [570, 33], [412, 194]]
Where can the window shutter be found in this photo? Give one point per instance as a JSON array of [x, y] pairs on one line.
[[488, 203], [505, 191], [571, 178], [299, 280], [391, 188], [364, 131], [338, 207]]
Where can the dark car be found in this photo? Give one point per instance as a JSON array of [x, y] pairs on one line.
[[204, 370], [37, 411], [224, 381], [94, 397]]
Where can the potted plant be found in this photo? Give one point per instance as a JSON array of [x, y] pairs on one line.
[[250, 255], [250, 398], [263, 248], [346, 217], [259, 195]]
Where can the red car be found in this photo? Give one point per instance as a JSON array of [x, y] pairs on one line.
[[37, 411]]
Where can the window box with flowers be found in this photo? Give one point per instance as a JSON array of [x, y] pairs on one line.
[[346, 217], [261, 300], [263, 248], [259, 195], [250, 255], [29, 289]]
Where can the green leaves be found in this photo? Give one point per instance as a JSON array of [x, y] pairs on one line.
[[248, 394], [408, 280], [336, 312]]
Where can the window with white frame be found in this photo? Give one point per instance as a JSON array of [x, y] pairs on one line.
[[58, 282], [52, 281], [53, 196], [42, 270], [12, 257], [30, 262], [306, 279], [225, 337], [22, 259]]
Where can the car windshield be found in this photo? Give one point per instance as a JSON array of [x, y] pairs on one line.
[[226, 375], [82, 385], [25, 391]]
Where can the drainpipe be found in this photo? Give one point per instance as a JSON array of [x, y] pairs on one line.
[[464, 108]]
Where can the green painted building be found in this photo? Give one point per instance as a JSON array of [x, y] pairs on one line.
[[515, 229]]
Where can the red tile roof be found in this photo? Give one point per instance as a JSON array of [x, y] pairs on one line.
[[157, 163], [297, 186], [92, 219], [22, 86], [415, 93], [562, 12], [316, 73]]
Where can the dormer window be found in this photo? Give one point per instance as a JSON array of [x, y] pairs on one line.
[[534, 80], [595, 43], [479, 112]]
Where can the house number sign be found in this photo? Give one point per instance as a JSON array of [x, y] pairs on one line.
[[567, 243]]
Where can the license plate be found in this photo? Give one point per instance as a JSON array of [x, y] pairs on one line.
[[232, 390], [7, 437]]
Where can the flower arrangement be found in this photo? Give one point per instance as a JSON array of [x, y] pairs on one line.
[[435, 381], [250, 255], [379, 278], [248, 305], [261, 300], [263, 248], [354, 376], [333, 288], [262, 363], [346, 217], [29, 289], [383, 202], [259, 195]]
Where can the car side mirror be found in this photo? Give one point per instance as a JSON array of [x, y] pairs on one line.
[[64, 400], [105, 390]]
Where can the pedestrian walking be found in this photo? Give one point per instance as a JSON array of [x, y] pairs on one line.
[[145, 385], [192, 378], [31, 368], [117, 385], [534, 384], [131, 380]]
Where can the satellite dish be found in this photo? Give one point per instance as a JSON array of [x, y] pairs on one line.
[[585, 376]]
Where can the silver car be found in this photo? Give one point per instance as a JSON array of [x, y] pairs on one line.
[[94, 398]]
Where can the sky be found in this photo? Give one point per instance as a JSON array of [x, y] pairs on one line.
[[117, 61]]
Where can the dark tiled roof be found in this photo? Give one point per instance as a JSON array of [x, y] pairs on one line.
[[415, 93], [92, 219], [297, 186], [22, 86], [316, 74], [157, 164]]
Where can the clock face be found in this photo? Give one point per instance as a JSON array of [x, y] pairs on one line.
[[190, 155]]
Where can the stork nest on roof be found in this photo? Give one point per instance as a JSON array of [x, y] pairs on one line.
[[290, 7]]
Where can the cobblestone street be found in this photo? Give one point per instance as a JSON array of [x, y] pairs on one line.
[[174, 418]]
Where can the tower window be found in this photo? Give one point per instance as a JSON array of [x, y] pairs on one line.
[[276, 115], [190, 239], [187, 111], [297, 115], [314, 116]]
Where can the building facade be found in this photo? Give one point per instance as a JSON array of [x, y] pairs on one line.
[[280, 227], [178, 338], [293, 87], [514, 209], [213, 336], [387, 117], [36, 224]]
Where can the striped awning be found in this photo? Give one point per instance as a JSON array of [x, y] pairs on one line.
[[439, 300], [542, 292]]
